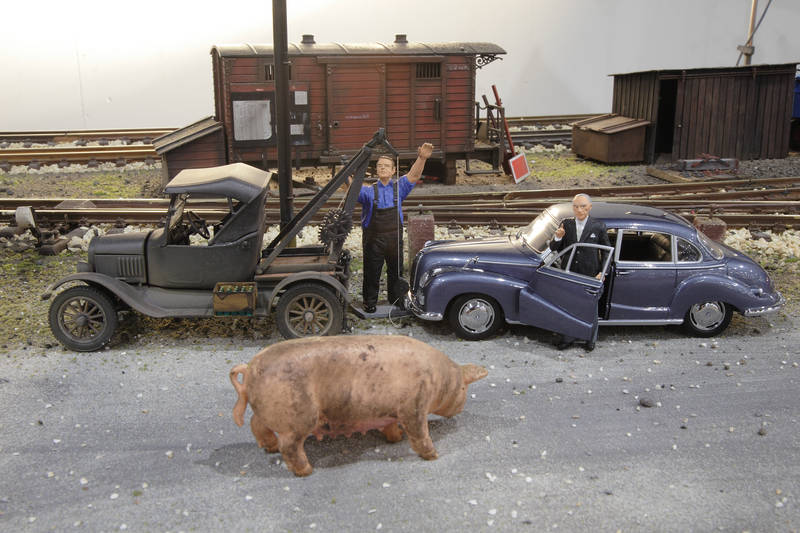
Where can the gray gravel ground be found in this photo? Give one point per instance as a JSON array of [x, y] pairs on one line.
[[140, 438], [652, 431]]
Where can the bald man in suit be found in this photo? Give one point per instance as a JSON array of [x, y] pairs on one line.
[[587, 261]]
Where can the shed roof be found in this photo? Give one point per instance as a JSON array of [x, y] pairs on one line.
[[174, 139], [780, 67], [376, 48], [610, 123]]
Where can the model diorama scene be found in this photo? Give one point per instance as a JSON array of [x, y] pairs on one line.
[[579, 322]]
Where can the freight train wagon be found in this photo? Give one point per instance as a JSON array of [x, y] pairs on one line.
[[340, 94]]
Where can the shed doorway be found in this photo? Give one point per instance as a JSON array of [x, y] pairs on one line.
[[665, 121]]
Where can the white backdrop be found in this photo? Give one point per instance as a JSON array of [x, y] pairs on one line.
[[96, 64]]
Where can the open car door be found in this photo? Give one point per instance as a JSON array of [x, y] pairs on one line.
[[563, 301]]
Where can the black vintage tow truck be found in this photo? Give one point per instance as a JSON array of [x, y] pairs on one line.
[[162, 273]]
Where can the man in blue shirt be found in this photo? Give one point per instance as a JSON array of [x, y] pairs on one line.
[[382, 238]]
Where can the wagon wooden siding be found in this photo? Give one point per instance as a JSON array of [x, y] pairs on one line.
[[735, 112], [460, 101]]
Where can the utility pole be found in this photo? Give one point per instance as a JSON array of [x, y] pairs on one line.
[[748, 49], [280, 50]]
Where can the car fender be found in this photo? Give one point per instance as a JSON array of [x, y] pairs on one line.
[[332, 282], [711, 287], [445, 287], [118, 288]]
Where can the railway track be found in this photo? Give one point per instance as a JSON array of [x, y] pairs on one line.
[[766, 203], [131, 145], [544, 130], [146, 136]]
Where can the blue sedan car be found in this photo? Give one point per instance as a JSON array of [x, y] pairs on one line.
[[659, 270]]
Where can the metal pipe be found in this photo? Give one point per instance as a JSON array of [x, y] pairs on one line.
[[281, 62], [748, 55]]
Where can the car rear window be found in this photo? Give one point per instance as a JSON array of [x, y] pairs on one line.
[[646, 246], [713, 248]]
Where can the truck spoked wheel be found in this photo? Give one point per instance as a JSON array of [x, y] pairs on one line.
[[83, 318], [307, 310]]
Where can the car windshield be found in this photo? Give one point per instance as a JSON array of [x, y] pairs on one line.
[[536, 234], [176, 208], [713, 248]]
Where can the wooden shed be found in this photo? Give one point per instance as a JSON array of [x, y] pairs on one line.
[[340, 94], [736, 112], [197, 145]]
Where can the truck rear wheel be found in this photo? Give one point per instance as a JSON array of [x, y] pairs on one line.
[[309, 309], [83, 318]]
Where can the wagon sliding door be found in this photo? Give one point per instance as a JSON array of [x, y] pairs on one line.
[[356, 104], [428, 107]]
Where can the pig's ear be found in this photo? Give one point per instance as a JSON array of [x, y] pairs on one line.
[[472, 373]]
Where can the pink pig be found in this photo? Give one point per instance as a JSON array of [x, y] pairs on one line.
[[345, 384]]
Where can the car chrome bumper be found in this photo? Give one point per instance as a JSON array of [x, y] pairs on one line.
[[767, 309], [412, 306]]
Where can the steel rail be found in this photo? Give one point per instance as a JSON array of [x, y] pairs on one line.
[[45, 137], [78, 153], [442, 215], [702, 203], [547, 120]]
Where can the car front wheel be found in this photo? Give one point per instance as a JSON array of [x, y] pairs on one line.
[[707, 319], [309, 309], [474, 317], [83, 318]]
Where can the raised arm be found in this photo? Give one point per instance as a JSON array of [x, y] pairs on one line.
[[423, 153]]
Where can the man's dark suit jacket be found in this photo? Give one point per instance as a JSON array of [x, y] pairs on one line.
[[586, 261]]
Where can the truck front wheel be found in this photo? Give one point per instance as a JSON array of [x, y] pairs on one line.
[[83, 318], [309, 309]]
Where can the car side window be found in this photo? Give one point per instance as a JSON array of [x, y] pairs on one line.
[[646, 247], [687, 252]]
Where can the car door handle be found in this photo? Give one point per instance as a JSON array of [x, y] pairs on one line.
[[624, 272], [592, 291]]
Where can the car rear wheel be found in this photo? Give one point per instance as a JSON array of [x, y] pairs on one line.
[[309, 309], [83, 318], [707, 319], [474, 317]]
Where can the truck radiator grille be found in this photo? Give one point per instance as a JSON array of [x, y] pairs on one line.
[[130, 267]]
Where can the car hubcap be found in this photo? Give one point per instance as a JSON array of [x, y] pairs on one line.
[[309, 315], [82, 318], [707, 315], [476, 316]]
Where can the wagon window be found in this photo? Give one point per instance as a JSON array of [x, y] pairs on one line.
[[646, 246], [687, 252], [269, 72], [428, 71], [252, 120]]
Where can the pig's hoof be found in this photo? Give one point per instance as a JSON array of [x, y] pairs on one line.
[[302, 472], [430, 456], [270, 449]]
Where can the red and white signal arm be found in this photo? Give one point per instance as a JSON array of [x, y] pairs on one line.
[[519, 167]]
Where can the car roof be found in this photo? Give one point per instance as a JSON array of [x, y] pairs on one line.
[[237, 180], [619, 215]]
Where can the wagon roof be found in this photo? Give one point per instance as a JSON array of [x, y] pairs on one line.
[[237, 180], [393, 49]]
